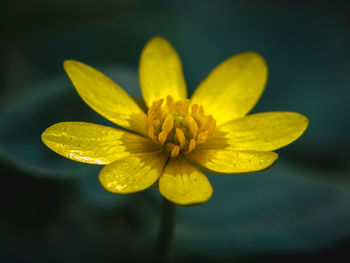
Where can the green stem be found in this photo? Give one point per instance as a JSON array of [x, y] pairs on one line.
[[166, 232]]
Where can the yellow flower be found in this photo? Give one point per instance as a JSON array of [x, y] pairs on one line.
[[177, 136]]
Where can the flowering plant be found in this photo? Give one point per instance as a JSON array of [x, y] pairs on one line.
[[169, 145]]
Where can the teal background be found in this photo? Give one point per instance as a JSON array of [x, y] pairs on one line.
[[54, 209]]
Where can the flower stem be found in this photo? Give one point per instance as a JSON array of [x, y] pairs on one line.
[[166, 232]]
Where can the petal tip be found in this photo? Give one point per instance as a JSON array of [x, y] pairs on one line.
[[303, 123], [186, 202], [68, 63], [252, 55], [46, 133], [43, 137], [255, 58], [273, 161], [158, 39], [306, 120], [71, 64], [189, 203], [157, 42]]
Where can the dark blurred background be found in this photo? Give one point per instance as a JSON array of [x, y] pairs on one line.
[[54, 210]]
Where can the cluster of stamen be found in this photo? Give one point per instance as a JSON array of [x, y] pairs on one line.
[[175, 128]]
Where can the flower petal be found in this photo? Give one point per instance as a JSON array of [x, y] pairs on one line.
[[105, 96], [264, 131], [92, 143], [232, 162], [134, 173], [232, 89], [161, 72], [184, 184]]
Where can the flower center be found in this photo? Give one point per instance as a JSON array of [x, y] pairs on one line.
[[176, 128]]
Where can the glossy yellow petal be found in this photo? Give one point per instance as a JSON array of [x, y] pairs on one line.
[[183, 184], [264, 131], [92, 143], [160, 72], [232, 89], [134, 173], [105, 96], [232, 162]]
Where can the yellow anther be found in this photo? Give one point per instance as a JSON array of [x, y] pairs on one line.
[[176, 128], [181, 137], [151, 115], [194, 108], [211, 126], [202, 138], [168, 123], [206, 123], [175, 151], [148, 123], [156, 126], [200, 121], [192, 125], [151, 133], [157, 103], [170, 104], [191, 146], [201, 110], [155, 111], [162, 137], [181, 106]]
